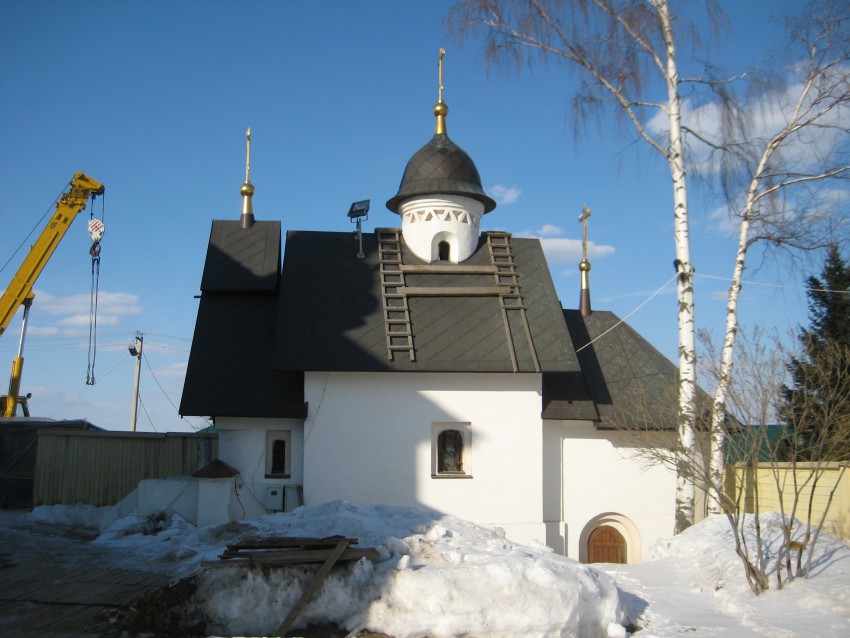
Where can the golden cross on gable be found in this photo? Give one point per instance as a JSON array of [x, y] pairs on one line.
[[585, 213]]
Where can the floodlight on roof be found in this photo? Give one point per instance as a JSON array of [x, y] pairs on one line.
[[359, 209], [358, 212]]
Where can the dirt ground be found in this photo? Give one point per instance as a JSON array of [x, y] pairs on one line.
[[55, 583]]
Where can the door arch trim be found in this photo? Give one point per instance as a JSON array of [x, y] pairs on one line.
[[623, 524]]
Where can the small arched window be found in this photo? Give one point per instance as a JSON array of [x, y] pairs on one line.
[[279, 457], [278, 453], [450, 452]]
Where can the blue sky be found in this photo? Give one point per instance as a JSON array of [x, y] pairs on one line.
[[153, 99]]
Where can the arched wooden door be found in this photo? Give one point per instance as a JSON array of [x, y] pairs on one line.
[[606, 545]]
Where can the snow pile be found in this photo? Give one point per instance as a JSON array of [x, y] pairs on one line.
[[85, 517], [704, 561], [442, 576], [437, 575]]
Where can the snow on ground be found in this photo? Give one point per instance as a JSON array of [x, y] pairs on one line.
[[442, 576], [694, 583]]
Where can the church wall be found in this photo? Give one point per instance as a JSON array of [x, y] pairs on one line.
[[369, 438], [607, 481], [243, 444]]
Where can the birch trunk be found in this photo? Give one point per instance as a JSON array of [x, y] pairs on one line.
[[718, 408], [754, 193], [685, 491]]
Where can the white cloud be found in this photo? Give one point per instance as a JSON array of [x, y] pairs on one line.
[[82, 321], [112, 303], [565, 251], [721, 221], [768, 115], [726, 222], [172, 371], [42, 331], [73, 310], [505, 195], [549, 230]]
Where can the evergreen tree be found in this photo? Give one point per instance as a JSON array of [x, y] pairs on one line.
[[816, 407]]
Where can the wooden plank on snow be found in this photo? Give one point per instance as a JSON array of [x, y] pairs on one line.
[[290, 557], [312, 588]]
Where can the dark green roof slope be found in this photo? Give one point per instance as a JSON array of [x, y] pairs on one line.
[[242, 259], [330, 313], [230, 370], [632, 384]]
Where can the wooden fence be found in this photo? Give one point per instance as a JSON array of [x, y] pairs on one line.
[[772, 485], [101, 468]]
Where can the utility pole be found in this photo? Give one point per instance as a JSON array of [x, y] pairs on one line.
[[136, 351]]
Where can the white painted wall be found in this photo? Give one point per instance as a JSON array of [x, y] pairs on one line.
[[427, 220], [367, 439], [605, 476], [214, 495], [242, 445], [177, 493]]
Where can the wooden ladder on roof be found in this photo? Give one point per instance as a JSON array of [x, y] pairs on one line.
[[396, 309], [510, 300]]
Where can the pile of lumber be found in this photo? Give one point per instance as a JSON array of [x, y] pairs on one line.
[[291, 550], [287, 550]]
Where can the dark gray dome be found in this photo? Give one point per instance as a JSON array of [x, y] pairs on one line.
[[441, 167]]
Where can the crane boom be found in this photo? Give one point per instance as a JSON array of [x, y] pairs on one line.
[[70, 204], [19, 290]]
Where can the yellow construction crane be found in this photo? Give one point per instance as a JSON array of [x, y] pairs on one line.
[[19, 291]]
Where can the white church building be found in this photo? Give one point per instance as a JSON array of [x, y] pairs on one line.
[[430, 364]]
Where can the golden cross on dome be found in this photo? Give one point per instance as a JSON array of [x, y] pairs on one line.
[[248, 158], [440, 67], [441, 110]]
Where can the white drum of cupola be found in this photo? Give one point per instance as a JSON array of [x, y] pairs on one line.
[[432, 220]]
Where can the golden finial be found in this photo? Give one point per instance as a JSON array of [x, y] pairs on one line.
[[247, 189], [440, 67], [248, 155], [584, 266], [585, 213], [441, 110]]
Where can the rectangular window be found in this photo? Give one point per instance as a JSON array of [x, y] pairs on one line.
[[278, 453], [451, 450]]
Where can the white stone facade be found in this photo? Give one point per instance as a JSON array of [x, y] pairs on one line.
[[429, 221], [371, 438], [605, 477]]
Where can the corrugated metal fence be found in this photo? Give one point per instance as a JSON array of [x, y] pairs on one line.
[[760, 483], [101, 468]]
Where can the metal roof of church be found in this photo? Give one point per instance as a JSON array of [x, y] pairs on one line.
[[242, 259], [230, 371], [257, 332], [441, 166], [632, 385], [331, 311]]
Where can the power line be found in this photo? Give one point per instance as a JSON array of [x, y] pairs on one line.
[[641, 305], [780, 286], [159, 384], [38, 224], [147, 414], [110, 368]]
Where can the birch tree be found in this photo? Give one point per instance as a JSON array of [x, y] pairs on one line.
[[619, 48], [774, 141], [778, 178]]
